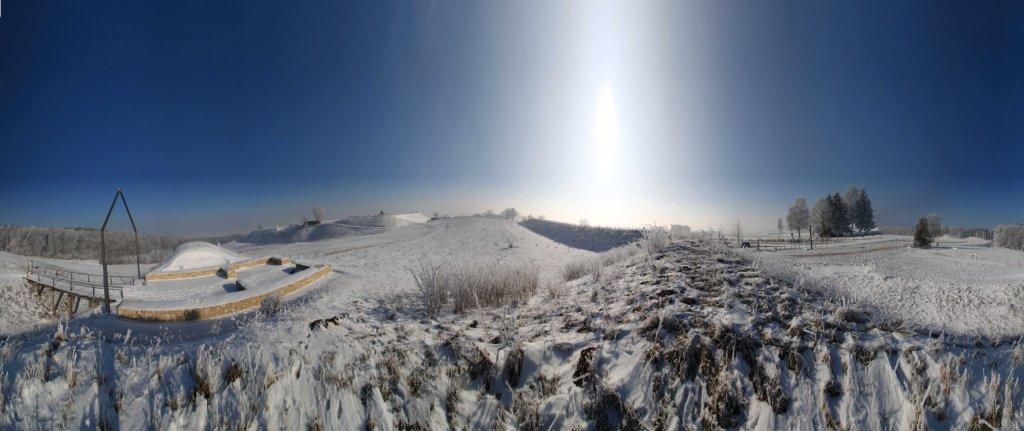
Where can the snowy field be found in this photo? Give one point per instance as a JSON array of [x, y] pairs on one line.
[[681, 336], [375, 266], [962, 287]]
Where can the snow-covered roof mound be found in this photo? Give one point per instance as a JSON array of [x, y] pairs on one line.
[[198, 254]]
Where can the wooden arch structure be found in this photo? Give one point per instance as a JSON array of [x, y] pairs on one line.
[[103, 247]]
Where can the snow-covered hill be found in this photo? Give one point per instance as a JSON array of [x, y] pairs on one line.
[[690, 337]]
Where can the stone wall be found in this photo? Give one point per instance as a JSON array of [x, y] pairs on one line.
[[244, 302]]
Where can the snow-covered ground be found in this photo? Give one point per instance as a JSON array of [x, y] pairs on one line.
[[373, 266], [962, 287], [692, 337]]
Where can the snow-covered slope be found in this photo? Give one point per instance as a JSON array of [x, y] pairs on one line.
[[692, 338]]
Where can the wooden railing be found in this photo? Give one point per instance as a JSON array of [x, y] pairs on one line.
[[77, 283]]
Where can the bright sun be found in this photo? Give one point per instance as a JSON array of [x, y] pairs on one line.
[[606, 129]]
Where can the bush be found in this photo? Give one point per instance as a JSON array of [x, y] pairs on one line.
[[467, 287]]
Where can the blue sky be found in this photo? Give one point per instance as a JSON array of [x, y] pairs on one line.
[[216, 117]]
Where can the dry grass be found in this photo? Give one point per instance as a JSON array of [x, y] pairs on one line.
[[466, 287], [655, 239], [270, 306], [578, 269], [575, 270], [618, 254]]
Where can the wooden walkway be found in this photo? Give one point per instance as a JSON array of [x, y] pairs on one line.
[[75, 285]]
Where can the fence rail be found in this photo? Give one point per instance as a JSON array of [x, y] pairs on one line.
[[77, 283]]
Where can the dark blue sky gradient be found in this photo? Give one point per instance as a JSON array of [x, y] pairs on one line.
[[215, 116]]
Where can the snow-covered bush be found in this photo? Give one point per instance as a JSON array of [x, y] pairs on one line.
[[1009, 236]]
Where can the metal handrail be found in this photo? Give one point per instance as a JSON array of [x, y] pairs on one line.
[[54, 280], [118, 280]]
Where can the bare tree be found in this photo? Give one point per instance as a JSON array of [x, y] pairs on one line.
[[780, 227], [738, 231], [318, 214]]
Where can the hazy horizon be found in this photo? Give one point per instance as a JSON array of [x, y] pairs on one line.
[[217, 117]]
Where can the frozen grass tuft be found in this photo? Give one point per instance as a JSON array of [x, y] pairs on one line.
[[575, 270], [619, 254], [467, 287], [578, 269], [271, 305], [655, 239], [432, 283]]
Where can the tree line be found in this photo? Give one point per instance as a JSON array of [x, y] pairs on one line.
[[84, 243], [833, 214]]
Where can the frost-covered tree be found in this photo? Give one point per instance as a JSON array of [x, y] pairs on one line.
[[935, 225], [779, 226], [510, 214], [584, 222], [863, 215], [318, 214], [1009, 236], [850, 200], [821, 216], [799, 217], [737, 229], [923, 234]]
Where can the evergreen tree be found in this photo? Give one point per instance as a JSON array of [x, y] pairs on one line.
[[922, 234], [839, 221], [863, 215]]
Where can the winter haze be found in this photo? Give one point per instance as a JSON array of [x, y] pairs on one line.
[[518, 215]]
